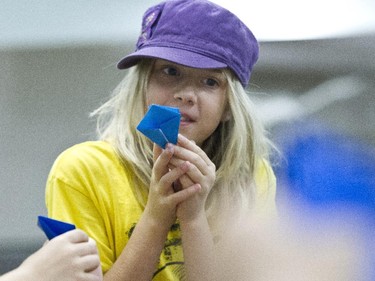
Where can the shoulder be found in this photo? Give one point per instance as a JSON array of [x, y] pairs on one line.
[[84, 158], [89, 149]]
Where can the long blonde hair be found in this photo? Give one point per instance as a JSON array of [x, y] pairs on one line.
[[236, 147]]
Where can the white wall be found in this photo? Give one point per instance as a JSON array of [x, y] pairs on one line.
[[45, 99]]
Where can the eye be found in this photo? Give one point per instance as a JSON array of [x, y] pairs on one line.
[[170, 70], [211, 82]]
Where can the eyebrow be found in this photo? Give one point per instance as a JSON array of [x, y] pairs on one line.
[[216, 71]]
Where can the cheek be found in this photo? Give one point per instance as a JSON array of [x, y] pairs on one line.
[[155, 95], [152, 97], [212, 120], [149, 100], [223, 111]]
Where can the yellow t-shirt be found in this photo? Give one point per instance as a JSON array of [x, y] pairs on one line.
[[89, 187]]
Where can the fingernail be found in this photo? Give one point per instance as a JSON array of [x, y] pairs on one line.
[[186, 165], [169, 147]]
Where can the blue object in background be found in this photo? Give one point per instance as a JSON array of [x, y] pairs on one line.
[[327, 169], [330, 174]]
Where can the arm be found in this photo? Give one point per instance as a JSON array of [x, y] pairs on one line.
[[140, 256], [197, 240], [72, 255], [198, 247]]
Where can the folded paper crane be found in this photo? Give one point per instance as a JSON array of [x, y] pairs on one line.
[[53, 228], [161, 124]]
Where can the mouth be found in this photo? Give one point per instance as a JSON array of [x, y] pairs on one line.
[[185, 119]]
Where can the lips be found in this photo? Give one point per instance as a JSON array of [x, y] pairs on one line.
[[186, 119]]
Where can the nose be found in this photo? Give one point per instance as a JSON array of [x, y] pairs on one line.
[[186, 96]]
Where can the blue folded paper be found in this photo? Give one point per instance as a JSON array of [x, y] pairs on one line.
[[53, 228], [161, 124]]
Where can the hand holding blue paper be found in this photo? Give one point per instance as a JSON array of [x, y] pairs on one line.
[[161, 124], [53, 228]]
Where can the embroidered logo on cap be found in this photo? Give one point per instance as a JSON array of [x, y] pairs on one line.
[[149, 22]]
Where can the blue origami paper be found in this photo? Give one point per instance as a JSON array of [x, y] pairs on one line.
[[53, 228], [161, 124]]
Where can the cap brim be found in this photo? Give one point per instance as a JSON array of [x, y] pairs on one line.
[[175, 55]]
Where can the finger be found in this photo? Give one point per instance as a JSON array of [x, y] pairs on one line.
[[186, 193], [184, 154], [74, 236], [173, 175], [90, 262], [162, 161], [157, 150], [193, 175], [96, 274], [88, 248], [183, 182], [186, 180], [175, 162], [190, 145]]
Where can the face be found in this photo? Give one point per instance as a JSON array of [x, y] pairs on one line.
[[200, 94]]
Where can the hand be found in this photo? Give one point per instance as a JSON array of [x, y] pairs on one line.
[[72, 256], [201, 172], [162, 201]]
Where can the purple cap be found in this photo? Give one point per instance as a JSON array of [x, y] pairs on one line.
[[196, 33]]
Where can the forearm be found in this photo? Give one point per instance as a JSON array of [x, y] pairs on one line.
[[139, 258], [198, 247]]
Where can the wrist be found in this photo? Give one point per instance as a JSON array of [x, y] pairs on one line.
[[193, 221], [154, 224]]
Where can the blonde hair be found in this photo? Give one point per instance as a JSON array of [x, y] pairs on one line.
[[236, 147]]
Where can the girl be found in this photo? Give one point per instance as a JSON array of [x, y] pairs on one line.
[[157, 213]]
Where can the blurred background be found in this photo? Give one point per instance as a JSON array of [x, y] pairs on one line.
[[313, 86]]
